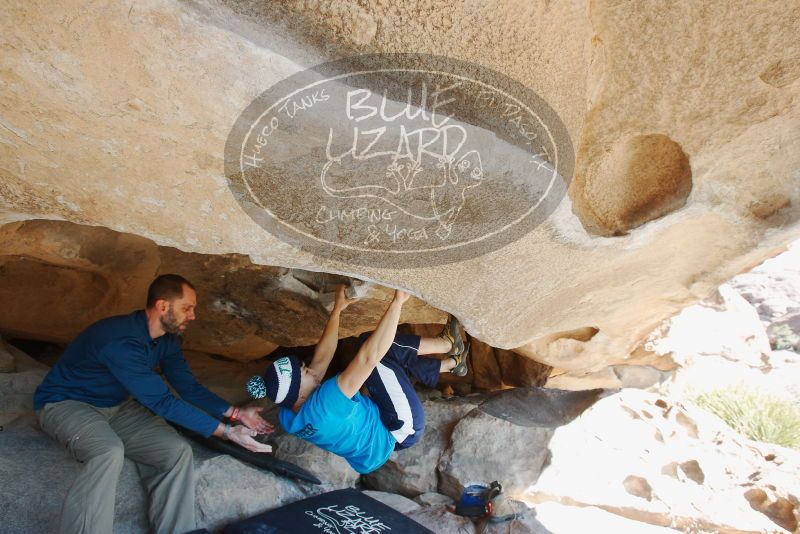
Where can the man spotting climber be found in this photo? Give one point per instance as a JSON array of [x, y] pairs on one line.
[[99, 401], [334, 415]]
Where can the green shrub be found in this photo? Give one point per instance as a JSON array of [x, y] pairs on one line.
[[784, 338], [755, 415]]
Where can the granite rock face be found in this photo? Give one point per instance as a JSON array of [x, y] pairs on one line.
[[686, 138]]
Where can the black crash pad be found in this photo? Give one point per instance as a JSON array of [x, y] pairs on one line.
[[539, 407], [262, 460], [346, 511]]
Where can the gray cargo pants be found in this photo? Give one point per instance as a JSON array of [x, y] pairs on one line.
[[101, 438]]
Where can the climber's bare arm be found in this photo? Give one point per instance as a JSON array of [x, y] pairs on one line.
[[373, 349], [326, 347]]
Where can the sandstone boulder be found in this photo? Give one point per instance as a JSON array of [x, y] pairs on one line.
[[690, 182], [691, 471], [412, 472], [514, 455]]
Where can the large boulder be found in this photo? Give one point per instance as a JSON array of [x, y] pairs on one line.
[[455, 452], [515, 455], [692, 181], [689, 471], [520, 423], [411, 472]]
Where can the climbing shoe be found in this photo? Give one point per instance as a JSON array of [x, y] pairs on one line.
[[462, 362], [452, 334]]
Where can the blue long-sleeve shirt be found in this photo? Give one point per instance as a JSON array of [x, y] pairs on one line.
[[115, 358]]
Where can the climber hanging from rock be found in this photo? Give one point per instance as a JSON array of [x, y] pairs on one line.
[[334, 415]]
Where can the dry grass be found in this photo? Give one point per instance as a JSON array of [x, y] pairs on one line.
[[755, 415]]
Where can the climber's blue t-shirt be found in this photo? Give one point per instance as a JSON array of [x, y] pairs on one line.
[[350, 428]]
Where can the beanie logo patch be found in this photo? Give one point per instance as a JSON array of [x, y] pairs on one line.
[[284, 366], [283, 372]]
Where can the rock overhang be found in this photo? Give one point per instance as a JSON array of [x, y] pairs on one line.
[[135, 145]]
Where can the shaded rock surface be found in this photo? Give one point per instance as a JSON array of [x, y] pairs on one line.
[[514, 454], [441, 520], [536, 407], [433, 499], [42, 476], [411, 472], [228, 490], [6, 360], [398, 502], [244, 310]]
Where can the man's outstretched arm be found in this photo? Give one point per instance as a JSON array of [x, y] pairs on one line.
[[180, 376], [373, 349], [127, 361], [326, 347]]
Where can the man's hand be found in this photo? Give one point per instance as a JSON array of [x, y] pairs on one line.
[[243, 436], [401, 296], [342, 301], [251, 417]]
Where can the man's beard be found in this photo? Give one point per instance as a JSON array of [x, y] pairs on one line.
[[170, 323]]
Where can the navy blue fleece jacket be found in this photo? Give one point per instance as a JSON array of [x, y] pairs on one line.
[[115, 358]]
